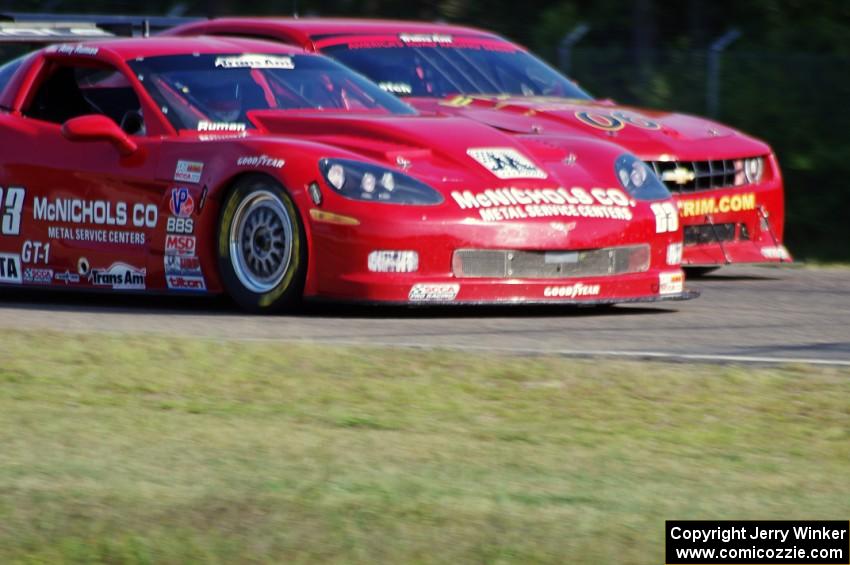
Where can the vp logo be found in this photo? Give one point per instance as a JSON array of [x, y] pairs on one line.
[[182, 204]]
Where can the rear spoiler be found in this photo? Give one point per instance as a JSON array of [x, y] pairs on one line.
[[42, 29]]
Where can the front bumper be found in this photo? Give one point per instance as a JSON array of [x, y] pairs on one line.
[[419, 290], [733, 225]]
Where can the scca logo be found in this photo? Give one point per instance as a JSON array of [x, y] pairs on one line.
[[179, 245], [182, 204]]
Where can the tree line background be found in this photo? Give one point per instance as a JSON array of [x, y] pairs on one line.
[[785, 80]]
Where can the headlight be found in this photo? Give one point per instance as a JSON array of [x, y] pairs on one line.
[[639, 180], [364, 181], [754, 169]]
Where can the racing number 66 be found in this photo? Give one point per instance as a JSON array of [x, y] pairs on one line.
[[11, 207]]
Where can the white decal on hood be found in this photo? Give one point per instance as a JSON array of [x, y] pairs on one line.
[[506, 163]]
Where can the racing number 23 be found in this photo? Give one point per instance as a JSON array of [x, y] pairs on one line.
[[11, 207]]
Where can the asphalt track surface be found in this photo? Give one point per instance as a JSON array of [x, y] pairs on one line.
[[745, 314]]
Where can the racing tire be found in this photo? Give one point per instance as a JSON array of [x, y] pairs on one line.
[[697, 272], [262, 251]]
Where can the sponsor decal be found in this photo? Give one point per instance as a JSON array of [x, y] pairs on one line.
[[235, 127], [181, 203], [96, 212], [10, 208], [396, 87], [180, 225], [182, 265], [674, 254], [576, 290], [63, 49], [67, 277], [403, 164], [433, 292], [260, 161], [188, 171], [38, 276], [717, 205], [35, 252], [10, 268], [775, 252], [499, 204], [115, 237], [666, 217], [119, 276], [425, 38], [506, 163], [671, 283], [614, 121], [180, 245], [255, 62], [220, 136], [180, 282], [564, 228]]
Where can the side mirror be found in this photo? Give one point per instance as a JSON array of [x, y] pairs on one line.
[[96, 127]]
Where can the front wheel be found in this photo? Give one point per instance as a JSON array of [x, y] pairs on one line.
[[261, 246]]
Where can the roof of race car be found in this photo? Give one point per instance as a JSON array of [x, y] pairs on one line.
[[311, 27], [160, 46]]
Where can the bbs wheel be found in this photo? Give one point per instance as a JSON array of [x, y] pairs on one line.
[[261, 246]]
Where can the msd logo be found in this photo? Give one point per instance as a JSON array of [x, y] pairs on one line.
[[180, 245]]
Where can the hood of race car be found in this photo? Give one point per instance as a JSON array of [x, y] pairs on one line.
[[511, 180], [649, 134], [451, 149]]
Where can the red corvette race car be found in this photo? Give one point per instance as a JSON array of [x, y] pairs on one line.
[[210, 165], [727, 185]]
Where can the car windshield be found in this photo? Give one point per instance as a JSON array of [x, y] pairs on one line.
[[8, 70], [215, 92], [433, 65]]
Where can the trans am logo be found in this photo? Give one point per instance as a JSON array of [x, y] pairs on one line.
[[506, 163], [182, 204], [119, 276]]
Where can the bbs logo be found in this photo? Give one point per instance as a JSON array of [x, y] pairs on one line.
[[180, 226]]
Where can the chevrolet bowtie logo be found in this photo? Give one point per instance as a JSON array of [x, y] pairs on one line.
[[678, 175]]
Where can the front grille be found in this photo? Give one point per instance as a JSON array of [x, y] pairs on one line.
[[503, 264], [707, 233], [693, 176]]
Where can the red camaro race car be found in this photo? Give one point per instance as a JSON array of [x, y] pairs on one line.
[[727, 185], [210, 165]]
